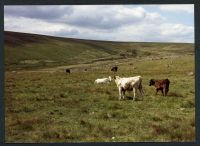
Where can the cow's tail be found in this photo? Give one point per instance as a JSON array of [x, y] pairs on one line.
[[167, 86], [168, 82], [140, 86]]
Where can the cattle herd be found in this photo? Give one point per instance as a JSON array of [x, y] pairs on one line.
[[133, 84]]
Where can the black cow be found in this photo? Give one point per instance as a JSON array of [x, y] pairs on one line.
[[114, 69], [68, 71]]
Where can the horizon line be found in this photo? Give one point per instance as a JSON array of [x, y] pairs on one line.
[[98, 40]]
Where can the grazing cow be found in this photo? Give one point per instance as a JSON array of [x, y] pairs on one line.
[[114, 69], [129, 84], [103, 80], [160, 85], [68, 71]]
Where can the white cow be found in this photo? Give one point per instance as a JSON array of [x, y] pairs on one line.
[[129, 84], [103, 80]]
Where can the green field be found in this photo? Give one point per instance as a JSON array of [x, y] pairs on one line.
[[44, 104]]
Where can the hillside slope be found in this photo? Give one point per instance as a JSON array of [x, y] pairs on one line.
[[24, 50]]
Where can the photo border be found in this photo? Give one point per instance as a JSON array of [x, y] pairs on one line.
[[105, 2]]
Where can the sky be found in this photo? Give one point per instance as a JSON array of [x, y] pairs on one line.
[[129, 23]]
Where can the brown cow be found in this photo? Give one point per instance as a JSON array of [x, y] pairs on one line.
[[160, 85]]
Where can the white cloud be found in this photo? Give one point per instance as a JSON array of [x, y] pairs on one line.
[[103, 17], [177, 29], [118, 23], [31, 25], [152, 32], [178, 8]]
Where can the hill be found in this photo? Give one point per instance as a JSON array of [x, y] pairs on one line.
[[44, 104], [27, 51]]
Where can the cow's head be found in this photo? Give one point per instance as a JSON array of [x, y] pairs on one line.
[[151, 82]]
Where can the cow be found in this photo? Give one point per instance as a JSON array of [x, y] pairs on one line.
[[103, 80], [114, 69], [67, 71], [160, 85], [129, 84]]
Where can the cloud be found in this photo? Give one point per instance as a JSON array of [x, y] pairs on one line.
[[67, 32], [99, 17], [178, 8], [101, 22], [151, 32], [31, 25], [47, 13], [178, 32], [105, 17]]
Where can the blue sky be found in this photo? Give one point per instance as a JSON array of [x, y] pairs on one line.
[[143, 23], [174, 16]]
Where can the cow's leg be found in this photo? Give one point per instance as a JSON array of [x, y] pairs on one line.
[[157, 91], [140, 89], [166, 91], [136, 91], [123, 94], [141, 92], [133, 94], [120, 93], [162, 92]]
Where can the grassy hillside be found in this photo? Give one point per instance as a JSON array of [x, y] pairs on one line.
[[38, 51], [44, 104]]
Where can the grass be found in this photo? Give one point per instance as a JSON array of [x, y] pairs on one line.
[[44, 104], [59, 107]]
